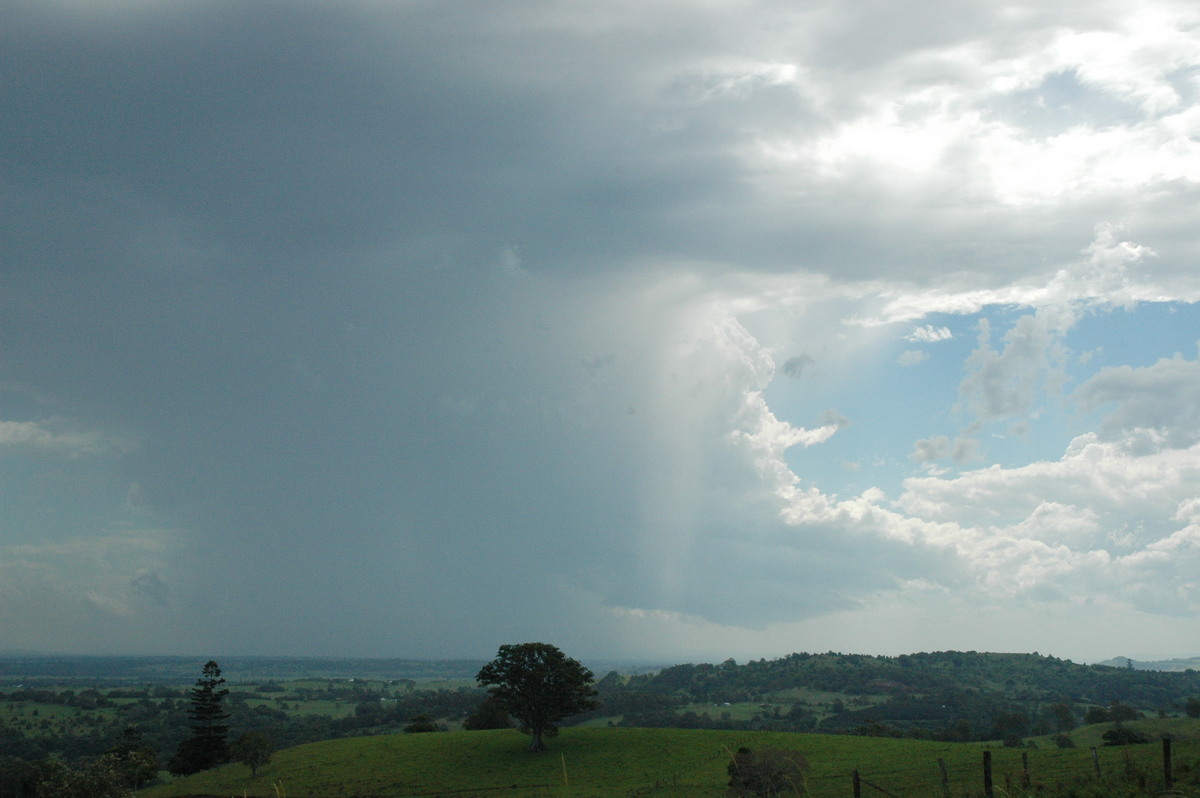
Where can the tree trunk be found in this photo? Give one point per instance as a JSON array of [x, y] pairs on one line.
[[536, 744]]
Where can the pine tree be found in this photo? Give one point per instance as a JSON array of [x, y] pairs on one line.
[[208, 746]]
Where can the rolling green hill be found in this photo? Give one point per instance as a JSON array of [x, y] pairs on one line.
[[598, 762]]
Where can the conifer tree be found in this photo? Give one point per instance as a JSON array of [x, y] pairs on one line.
[[208, 746]]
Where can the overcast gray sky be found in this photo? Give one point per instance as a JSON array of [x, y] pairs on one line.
[[674, 330]]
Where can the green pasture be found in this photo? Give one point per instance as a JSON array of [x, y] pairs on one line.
[[741, 710], [395, 686], [307, 684], [37, 719], [1180, 729], [439, 684], [599, 762], [300, 707], [818, 698]]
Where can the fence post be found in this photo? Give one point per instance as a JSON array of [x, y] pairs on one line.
[[945, 777], [1167, 779], [987, 774], [1025, 769], [1096, 762], [857, 785]]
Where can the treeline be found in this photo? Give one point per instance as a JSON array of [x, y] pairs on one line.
[[1021, 677]]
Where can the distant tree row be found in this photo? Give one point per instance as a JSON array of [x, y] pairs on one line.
[[1020, 677]]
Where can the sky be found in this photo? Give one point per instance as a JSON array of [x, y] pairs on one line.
[[668, 331]]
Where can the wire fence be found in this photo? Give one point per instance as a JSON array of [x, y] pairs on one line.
[[1007, 772]]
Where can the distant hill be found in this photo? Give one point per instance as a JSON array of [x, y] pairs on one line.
[[946, 695], [1173, 665], [1018, 676], [176, 670]]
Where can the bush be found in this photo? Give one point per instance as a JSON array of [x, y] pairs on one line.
[[98, 779], [1123, 736], [253, 750], [490, 714], [766, 772], [421, 724]]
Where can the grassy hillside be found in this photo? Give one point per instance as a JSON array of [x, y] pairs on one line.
[[1181, 730], [643, 762]]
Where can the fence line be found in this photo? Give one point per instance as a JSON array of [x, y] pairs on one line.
[[859, 780], [1026, 779]]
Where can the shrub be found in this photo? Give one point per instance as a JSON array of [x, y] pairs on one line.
[[766, 772], [1123, 736], [421, 724], [253, 750], [490, 714]]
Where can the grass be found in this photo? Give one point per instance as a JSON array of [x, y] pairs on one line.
[[586, 762], [37, 720], [582, 762], [299, 708], [1179, 728]]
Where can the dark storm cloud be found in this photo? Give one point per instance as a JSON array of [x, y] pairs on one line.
[[275, 129], [264, 242]]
